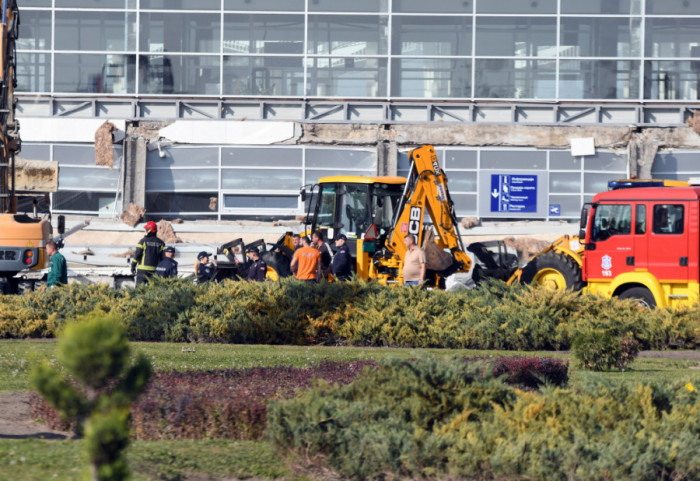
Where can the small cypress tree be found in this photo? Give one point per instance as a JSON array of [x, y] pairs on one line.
[[97, 390]]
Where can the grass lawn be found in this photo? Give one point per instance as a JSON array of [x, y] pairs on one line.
[[40, 460], [35, 459], [17, 357]]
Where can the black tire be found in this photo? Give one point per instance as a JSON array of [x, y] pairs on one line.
[[278, 262], [553, 268], [640, 296]]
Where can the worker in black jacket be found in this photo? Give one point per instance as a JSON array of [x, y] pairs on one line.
[[168, 266], [258, 270], [342, 261], [148, 254], [204, 271]]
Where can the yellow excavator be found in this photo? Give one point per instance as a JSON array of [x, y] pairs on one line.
[[376, 214], [22, 237]]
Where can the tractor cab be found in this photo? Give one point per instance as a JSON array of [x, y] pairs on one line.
[[349, 205]]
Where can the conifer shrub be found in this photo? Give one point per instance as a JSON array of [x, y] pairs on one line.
[[96, 389], [602, 350], [436, 419], [493, 316]]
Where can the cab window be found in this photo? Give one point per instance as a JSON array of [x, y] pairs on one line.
[[668, 219], [611, 220]]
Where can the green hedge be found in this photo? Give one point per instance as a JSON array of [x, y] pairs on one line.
[[431, 418], [493, 316]]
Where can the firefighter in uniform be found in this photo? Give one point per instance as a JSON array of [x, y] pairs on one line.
[[258, 270], [168, 266], [149, 253], [342, 262]]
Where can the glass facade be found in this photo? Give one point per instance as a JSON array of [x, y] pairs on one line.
[[624, 50]]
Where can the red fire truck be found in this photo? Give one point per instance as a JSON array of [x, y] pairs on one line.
[[641, 240]]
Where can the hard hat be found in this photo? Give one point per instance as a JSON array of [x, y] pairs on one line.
[[151, 226]]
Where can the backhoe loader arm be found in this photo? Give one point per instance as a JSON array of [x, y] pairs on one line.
[[426, 192]]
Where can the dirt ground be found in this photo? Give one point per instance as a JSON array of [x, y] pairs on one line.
[[16, 421]]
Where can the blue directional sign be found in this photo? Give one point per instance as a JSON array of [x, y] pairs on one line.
[[554, 209], [513, 193]]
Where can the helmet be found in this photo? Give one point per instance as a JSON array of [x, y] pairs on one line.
[[151, 226]]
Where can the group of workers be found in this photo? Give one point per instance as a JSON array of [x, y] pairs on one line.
[[312, 261]]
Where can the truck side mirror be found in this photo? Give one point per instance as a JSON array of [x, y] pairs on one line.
[[583, 223], [302, 192]]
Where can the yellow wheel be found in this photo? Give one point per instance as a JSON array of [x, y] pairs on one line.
[[550, 278], [553, 270]]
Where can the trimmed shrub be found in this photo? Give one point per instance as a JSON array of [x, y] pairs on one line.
[[601, 350], [433, 419], [493, 316]]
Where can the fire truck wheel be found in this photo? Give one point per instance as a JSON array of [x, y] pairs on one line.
[[640, 296], [557, 271]]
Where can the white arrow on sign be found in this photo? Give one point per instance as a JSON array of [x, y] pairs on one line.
[[495, 193]]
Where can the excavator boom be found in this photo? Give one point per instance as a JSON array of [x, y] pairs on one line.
[[426, 193]]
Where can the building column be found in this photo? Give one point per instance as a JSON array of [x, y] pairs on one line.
[[135, 153]]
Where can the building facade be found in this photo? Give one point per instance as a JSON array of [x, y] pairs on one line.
[[500, 87]]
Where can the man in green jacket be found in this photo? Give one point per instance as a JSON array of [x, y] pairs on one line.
[[58, 272]]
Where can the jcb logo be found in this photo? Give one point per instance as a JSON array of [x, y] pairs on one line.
[[436, 168], [414, 221]]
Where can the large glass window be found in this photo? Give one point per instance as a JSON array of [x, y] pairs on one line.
[[354, 6], [271, 34], [263, 76], [87, 3], [181, 202], [111, 31], [180, 32], [346, 77], [598, 79], [431, 78], [443, 6], [673, 7], [36, 3], [182, 179], [517, 6], [261, 179], [95, 73], [516, 36], [265, 5], [33, 72], [600, 37], [609, 7], [181, 4], [35, 31], [347, 35], [433, 35], [672, 37], [176, 74], [239, 201], [515, 79], [262, 156]]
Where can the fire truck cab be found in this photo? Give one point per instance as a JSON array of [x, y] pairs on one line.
[[642, 242]]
